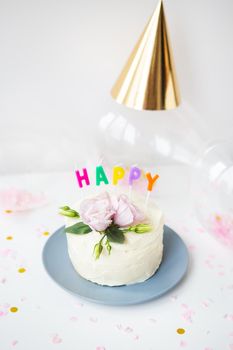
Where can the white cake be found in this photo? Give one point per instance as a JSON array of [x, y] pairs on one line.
[[133, 261]]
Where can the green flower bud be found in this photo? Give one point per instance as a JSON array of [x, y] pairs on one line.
[[108, 246], [65, 207], [140, 228], [66, 211], [97, 250]]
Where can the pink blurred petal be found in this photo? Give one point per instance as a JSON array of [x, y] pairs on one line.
[[183, 344], [20, 200]]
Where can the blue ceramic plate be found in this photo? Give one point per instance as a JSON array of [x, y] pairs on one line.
[[171, 271]]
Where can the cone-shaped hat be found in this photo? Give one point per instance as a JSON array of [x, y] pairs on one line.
[[148, 80]]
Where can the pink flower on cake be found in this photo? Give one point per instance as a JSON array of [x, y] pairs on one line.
[[100, 212], [97, 212], [126, 213]]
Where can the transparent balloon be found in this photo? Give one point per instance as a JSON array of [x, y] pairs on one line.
[[161, 137], [176, 137]]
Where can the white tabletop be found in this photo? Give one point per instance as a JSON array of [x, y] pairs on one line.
[[48, 318]]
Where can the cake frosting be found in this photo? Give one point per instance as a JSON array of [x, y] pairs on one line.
[[134, 261]]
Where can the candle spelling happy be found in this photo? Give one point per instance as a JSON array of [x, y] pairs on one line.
[[118, 174]]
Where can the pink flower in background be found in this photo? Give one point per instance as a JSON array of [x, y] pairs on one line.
[[97, 212], [126, 213], [101, 211], [20, 200]]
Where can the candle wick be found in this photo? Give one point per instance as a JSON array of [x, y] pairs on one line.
[[147, 199], [130, 192]]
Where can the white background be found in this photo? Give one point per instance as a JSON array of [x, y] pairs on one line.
[[59, 59]]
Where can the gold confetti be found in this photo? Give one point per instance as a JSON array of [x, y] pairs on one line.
[[218, 218], [180, 330], [9, 238], [13, 309], [21, 270], [46, 233], [7, 211]]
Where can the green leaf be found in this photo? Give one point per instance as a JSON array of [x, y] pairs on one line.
[[114, 234], [80, 229]]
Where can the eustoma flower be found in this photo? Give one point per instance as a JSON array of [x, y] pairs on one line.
[[97, 212], [109, 215], [126, 213]]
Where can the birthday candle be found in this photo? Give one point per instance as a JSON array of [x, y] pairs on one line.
[[118, 174], [151, 181], [134, 174], [101, 176], [82, 178]]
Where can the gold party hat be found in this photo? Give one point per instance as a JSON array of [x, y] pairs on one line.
[[148, 80]]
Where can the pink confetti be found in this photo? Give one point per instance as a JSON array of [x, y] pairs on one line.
[[192, 247], [221, 273], [212, 256], [228, 317], [8, 253], [56, 339], [100, 348], [4, 309], [185, 306], [128, 330], [188, 313], [206, 303], [3, 280], [20, 200], [15, 342], [73, 318], [208, 348], [183, 344]]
